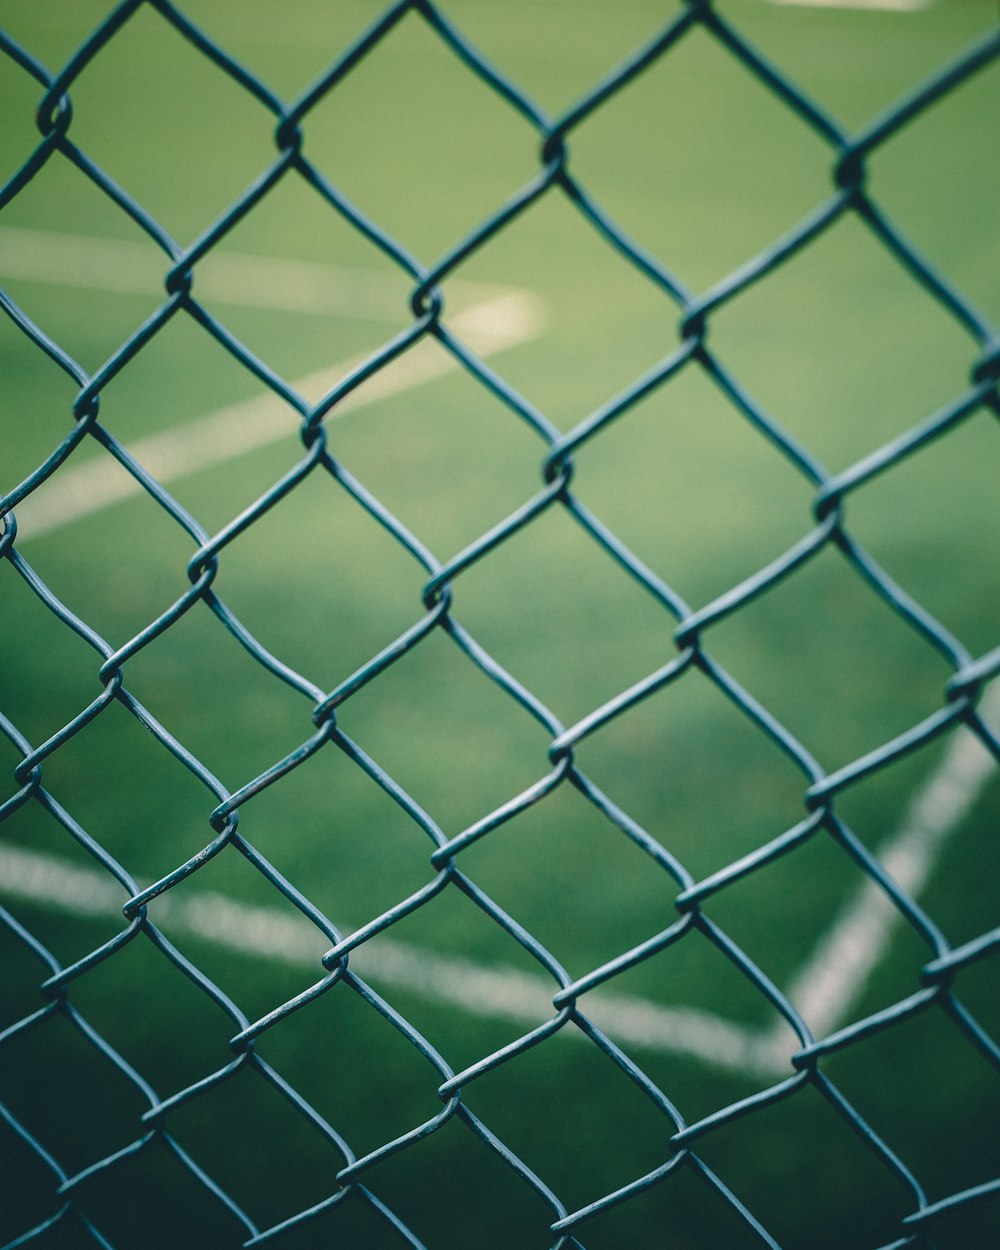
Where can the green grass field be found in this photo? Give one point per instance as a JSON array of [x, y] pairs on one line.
[[705, 168]]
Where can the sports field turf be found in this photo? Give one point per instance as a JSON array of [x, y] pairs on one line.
[[703, 167]]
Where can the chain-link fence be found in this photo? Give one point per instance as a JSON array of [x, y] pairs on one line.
[[508, 1048]]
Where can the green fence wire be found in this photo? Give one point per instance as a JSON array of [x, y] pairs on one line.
[[354, 1178]]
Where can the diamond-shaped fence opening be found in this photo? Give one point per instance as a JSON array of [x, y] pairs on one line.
[[644, 157], [167, 90], [501, 744]]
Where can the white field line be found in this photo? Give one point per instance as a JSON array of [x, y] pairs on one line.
[[80, 489], [502, 317], [846, 956], [137, 268], [895, 6], [823, 990], [267, 933]]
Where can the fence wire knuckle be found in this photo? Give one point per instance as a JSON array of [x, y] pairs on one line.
[[800, 1067]]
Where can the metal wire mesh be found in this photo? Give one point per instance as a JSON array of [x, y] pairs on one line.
[[799, 1070]]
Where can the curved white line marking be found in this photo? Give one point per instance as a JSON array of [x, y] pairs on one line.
[[823, 990]]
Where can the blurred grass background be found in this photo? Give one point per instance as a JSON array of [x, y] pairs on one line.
[[700, 164]]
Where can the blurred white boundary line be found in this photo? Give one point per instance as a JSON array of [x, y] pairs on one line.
[[137, 268], [846, 956], [265, 932], [823, 991], [896, 6], [826, 985], [79, 489]]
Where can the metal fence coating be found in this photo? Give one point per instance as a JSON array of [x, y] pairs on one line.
[[354, 1178]]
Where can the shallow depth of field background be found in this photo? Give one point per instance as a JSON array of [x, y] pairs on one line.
[[701, 165]]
